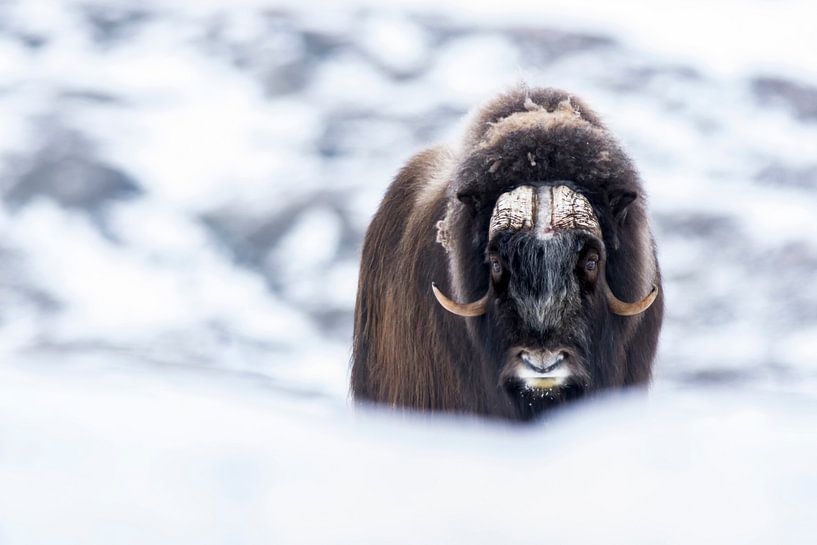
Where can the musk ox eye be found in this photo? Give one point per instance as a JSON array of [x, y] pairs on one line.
[[496, 268], [591, 263]]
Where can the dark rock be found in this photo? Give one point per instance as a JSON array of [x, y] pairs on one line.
[[16, 287], [249, 240], [537, 45], [32, 41], [792, 294], [66, 170], [321, 45], [784, 175], [433, 125], [799, 98], [695, 224], [634, 79], [282, 56], [252, 241], [717, 376], [545, 45], [89, 96], [110, 24], [337, 322], [348, 132]]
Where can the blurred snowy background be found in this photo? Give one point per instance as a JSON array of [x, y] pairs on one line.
[[185, 186]]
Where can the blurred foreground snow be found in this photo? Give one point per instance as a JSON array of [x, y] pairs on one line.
[[184, 191], [130, 459]]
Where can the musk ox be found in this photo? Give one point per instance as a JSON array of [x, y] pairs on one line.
[[511, 273]]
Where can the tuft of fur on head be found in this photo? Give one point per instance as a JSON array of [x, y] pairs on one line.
[[536, 118], [539, 135], [523, 99]]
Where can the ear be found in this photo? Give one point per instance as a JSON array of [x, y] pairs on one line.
[[473, 201], [619, 204]]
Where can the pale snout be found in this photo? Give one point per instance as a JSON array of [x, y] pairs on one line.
[[539, 368]]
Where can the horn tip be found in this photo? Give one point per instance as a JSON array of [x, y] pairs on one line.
[[632, 309]]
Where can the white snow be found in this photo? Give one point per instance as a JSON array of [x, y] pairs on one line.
[[136, 460], [394, 41]]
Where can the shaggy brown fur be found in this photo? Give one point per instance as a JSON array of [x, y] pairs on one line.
[[408, 352]]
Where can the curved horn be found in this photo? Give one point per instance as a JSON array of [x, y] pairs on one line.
[[617, 306], [477, 308]]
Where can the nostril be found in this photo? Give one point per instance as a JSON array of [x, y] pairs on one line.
[[530, 360], [564, 355]]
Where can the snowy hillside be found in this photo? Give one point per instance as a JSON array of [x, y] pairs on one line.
[[185, 186]]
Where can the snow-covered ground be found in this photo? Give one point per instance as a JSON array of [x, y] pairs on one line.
[[129, 459], [184, 190]]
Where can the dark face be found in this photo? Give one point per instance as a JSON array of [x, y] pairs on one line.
[[548, 329], [544, 312]]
